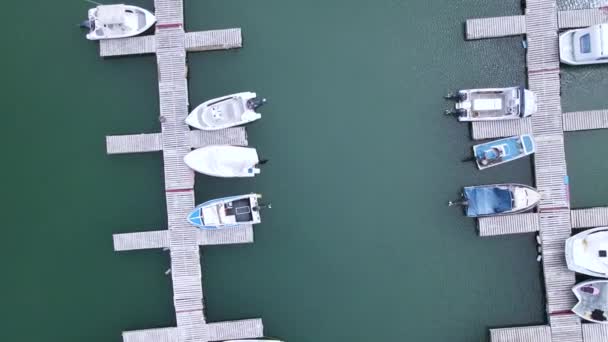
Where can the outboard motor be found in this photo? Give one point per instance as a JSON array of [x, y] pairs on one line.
[[458, 96], [86, 24], [255, 103], [262, 206]]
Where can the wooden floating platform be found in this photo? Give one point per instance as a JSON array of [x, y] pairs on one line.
[[496, 27], [582, 18], [590, 217], [209, 332], [508, 224], [153, 142], [595, 332], [555, 220], [170, 44], [521, 334], [586, 120], [194, 42], [161, 238]]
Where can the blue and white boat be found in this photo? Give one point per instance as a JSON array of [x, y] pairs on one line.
[[500, 151], [497, 199], [227, 212]]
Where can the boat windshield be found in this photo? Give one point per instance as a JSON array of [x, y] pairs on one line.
[[488, 200], [585, 43]]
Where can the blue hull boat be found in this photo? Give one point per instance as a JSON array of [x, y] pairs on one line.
[[227, 212], [501, 151], [497, 199]]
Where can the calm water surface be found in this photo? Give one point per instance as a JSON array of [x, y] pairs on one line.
[[359, 245]]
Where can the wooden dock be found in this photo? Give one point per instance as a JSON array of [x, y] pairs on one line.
[[554, 220], [170, 44]]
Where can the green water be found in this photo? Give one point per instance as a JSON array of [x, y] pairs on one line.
[[359, 245]]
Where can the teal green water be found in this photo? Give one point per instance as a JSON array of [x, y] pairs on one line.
[[359, 244]]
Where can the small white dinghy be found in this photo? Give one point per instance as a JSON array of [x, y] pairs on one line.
[[592, 303], [587, 252], [117, 21], [493, 104], [584, 46], [224, 161], [227, 111]]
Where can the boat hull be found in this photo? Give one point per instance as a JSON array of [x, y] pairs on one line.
[[224, 161], [499, 199], [592, 303], [148, 18], [501, 151], [582, 252], [569, 49], [226, 212], [223, 112], [494, 104]]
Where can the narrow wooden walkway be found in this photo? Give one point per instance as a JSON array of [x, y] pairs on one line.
[[170, 44], [555, 220]]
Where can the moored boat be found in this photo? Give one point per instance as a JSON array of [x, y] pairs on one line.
[[227, 111], [584, 46], [117, 21], [592, 298], [224, 161], [587, 252], [493, 104], [504, 150], [227, 212], [497, 199]]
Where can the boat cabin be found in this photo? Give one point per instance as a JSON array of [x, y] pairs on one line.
[[591, 44]]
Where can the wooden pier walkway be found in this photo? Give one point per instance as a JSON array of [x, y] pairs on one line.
[[554, 220], [170, 44]]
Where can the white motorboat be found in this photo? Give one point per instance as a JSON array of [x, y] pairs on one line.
[[493, 104], [224, 161], [227, 111], [497, 199], [227, 212], [592, 298], [584, 46], [587, 252], [117, 21]]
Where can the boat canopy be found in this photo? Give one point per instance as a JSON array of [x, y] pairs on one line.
[[111, 14], [487, 200]]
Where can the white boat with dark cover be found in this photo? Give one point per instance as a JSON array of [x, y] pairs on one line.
[[584, 46], [227, 111], [117, 21], [493, 104], [587, 252], [497, 199], [592, 303], [227, 212], [224, 161]]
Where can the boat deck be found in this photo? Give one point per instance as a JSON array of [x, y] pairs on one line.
[[170, 44], [554, 220]]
